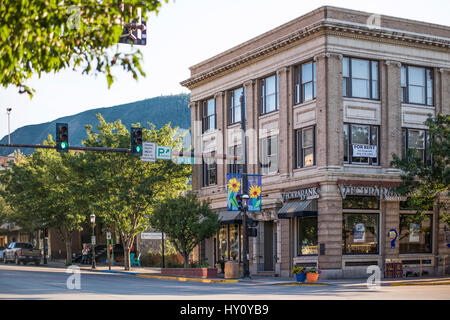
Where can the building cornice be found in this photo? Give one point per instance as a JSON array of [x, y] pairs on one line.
[[328, 27]]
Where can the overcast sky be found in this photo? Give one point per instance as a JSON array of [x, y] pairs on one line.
[[184, 33]]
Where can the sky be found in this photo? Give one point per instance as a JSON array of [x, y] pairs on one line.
[[184, 33]]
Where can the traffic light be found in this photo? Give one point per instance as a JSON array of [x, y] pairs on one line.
[[136, 141], [62, 137], [239, 201]]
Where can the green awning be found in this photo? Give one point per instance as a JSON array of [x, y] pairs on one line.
[[307, 208]]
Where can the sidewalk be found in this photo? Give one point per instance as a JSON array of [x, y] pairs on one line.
[[155, 273]]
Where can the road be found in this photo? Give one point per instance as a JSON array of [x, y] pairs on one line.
[[31, 282]]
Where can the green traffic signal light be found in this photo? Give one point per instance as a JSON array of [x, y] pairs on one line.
[[138, 148], [63, 145], [136, 141], [62, 137]]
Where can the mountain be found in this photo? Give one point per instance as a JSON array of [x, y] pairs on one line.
[[158, 110]]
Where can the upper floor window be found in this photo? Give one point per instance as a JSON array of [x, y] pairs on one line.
[[235, 166], [418, 140], [417, 85], [209, 115], [209, 169], [234, 108], [305, 82], [305, 147], [361, 144], [360, 78], [268, 154], [269, 94]]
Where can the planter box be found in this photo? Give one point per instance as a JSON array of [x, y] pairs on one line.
[[190, 272]]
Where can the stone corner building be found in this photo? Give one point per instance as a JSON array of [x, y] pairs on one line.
[[329, 97]]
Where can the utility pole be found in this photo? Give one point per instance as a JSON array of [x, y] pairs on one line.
[[244, 185]]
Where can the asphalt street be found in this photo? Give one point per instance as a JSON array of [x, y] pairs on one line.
[[31, 282]]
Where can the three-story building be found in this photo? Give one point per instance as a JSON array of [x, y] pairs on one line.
[[329, 97]]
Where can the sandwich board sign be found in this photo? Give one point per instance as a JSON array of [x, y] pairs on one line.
[[164, 153], [148, 151]]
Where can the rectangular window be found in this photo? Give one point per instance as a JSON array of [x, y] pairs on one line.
[[305, 147], [234, 108], [305, 82], [415, 236], [306, 236], [268, 154], [361, 202], [235, 242], [361, 144], [209, 172], [418, 140], [417, 85], [235, 166], [360, 78], [269, 94], [209, 115], [360, 233]]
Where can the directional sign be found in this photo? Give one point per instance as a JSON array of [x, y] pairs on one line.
[[148, 151], [164, 153], [93, 240], [108, 235]]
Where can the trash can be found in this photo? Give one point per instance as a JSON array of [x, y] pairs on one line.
[[231, 270]]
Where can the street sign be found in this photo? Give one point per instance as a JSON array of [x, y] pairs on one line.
[[108, 235], [164, 153], [148, 151], [93, 240], [151, 236]]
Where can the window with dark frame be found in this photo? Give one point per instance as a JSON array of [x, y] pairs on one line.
[[234, 107], [268, 154], [305, 147], [209, 172], [209, 115], [418, 140], [269, 94], [306, 236], [235, 166], [417, 85], [360, 233], [360, 134], [360, 78], [415, 236], [305, 82]]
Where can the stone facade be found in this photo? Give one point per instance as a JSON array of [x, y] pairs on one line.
[[326, 36]]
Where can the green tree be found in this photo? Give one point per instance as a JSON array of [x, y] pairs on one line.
[[426, 185], [44, 36], [186, 221], [43, 190], [124, 189]]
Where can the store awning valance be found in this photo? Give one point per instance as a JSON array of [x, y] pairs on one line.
[[292, 209], [231, 217]]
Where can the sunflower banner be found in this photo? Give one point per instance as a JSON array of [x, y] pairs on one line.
[[254, 192], [233, 189]]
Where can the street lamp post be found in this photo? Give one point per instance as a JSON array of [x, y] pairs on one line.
[[8, 110], [93, 240], [244, 186]]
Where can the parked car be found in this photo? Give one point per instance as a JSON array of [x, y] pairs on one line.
[[22, 252], [1, 252]]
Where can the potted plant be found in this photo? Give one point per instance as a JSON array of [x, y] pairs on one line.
[[299, 273], [312, 274]]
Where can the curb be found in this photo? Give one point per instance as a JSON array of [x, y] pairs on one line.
[[431, 283], [185, 279], [302, 284]]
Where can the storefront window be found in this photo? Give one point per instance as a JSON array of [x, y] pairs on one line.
[[223, 243], [360, 233], [415, 236], [235, 246], [360, 202], [306, 236]]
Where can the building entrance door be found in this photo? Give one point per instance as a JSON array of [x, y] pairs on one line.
[[268, 246]]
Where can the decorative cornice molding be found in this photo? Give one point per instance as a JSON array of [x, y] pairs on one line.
[[394, 63], [329, 27]]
